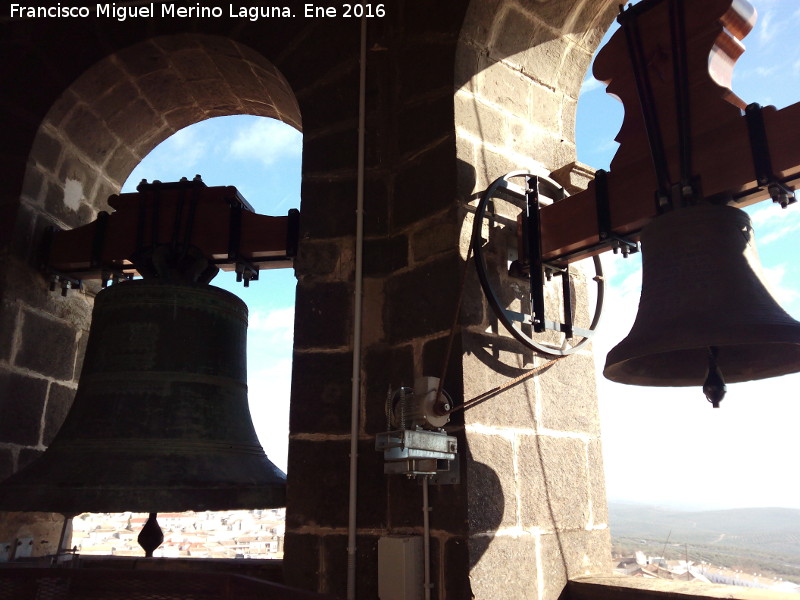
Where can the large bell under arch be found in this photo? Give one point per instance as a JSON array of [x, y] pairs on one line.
[[160, 421], [703, 288]]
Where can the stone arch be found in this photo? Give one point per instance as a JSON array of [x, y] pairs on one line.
[[122, 107], [519, 70]]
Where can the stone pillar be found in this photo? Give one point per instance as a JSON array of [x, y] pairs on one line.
[[535, 486], [412, 272], [43, 334]]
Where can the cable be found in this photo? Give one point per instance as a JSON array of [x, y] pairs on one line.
[[453, 327], [488, 395]]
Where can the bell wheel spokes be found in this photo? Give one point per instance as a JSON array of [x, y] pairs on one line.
[[517, 283]]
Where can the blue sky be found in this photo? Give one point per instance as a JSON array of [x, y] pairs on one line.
[[661, 445]]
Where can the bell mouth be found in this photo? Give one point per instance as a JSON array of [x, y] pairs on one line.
[[684, 367]]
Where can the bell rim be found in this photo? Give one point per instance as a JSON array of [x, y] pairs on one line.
[[738, 369], [76, 500]]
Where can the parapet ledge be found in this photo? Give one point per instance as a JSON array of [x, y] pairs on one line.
[[619, 587]]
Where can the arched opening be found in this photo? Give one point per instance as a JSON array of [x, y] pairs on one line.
[[647, 428], [122, 107], [624, 408], [261, 158], [101, 128]]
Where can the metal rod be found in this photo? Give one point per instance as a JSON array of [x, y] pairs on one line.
[[189, 230], [357, 318], [647, 104], [61, 537], [99, 239], [567, 295], [155, 216], [177, 222], [426, 540], [680, 71]]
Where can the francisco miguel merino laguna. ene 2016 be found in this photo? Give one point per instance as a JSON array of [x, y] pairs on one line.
[[170, 10]]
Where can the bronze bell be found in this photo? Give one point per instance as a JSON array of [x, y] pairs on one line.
[[160, 421], [704, 304]]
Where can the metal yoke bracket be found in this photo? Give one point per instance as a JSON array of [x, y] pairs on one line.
[[532, 228], [762, 162], [418, 452], [617, 243]]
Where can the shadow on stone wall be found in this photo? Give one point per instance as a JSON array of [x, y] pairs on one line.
[[534, 35], [489, 495]]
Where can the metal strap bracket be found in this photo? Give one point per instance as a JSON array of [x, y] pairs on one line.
[[617, 243], [762, 162]]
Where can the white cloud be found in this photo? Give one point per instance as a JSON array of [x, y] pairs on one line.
[[772, 223], [775, 277], [266, 140], [779, 233], [766, 30], [590, 84], [185, 147], [177, 156], [609, 146], [763, 213], [279, 323], [623, 277], [767, 71], [719, 453], [648, 431], [269, 377]]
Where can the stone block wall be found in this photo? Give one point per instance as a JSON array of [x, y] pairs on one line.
[[457, 94]]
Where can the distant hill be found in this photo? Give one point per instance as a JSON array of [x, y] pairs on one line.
[[763, 539]]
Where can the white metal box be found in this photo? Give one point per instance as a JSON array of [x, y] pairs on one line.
[[400, 568]]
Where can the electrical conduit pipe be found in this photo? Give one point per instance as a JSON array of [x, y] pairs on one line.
[[357, 321]]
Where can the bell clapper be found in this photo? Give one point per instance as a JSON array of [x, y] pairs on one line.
[[714, 386], [151, 536]]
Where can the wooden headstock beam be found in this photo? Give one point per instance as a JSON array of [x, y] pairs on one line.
[[722, 158], [217, 221]]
